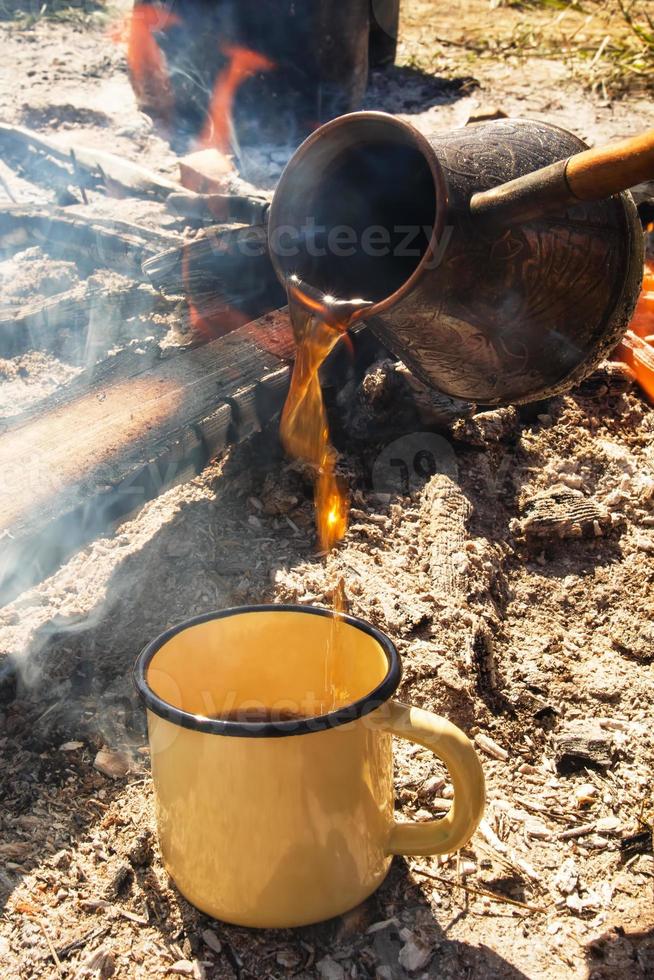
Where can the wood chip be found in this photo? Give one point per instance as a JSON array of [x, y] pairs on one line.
[[573, 832], [211, 940], [583, 744], [139, 920], [415, 954], [116, 765], [183, 968], [329, 969], [585, 794], [487, 745]]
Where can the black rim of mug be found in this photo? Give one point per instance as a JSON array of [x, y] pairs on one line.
[[269, 729]]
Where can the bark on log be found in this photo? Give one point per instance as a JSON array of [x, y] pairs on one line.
[[129, 429], [227, 268], [446, 512]]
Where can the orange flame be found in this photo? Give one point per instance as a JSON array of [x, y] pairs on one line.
[[637, 346], [243, 63], [145, 60]]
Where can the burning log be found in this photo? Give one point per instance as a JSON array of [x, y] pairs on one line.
[[92, 242], [230, 269], [110, 441], [639, 355]]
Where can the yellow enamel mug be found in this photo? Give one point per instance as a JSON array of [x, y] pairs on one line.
[[288, 821]]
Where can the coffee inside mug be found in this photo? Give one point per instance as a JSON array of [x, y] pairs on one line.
[[267, 666]]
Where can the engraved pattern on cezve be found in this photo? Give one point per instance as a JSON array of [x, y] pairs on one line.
[[519, 313]]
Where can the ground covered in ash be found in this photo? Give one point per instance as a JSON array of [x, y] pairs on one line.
[[516, 581]]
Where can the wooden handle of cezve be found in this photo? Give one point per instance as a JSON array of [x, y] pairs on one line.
[[587, 176]]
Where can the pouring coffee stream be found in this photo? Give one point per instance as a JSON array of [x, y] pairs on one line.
[[319, 322]]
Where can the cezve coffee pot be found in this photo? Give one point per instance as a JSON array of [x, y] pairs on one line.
[[503, 260]]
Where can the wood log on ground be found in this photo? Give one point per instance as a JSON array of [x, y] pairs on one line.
[[90, 455], [224, 268], [121, 434], [55, 324], [446, 512], [89, 166], [92, 242]]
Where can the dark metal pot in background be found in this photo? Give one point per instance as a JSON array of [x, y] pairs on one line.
[[384, 30], [488, 313], [319, 50]]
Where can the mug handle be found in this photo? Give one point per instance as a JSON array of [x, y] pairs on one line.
[[456, 751]]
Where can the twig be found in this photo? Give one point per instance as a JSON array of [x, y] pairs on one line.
[[78, 176], [483, 892], [7, 189], [451, 43], [600, 51], [53, 951], [65, 951]]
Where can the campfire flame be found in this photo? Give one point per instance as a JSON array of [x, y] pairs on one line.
[[637, 346], [151, 80], [243, 63], [145, 60]]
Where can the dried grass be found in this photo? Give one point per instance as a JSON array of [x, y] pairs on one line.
[[26, 13], [608, 44]]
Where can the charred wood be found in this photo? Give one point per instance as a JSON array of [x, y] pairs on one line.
[[561, 512], [224, 268], [581, 745], [55, 324], [221, 208]]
